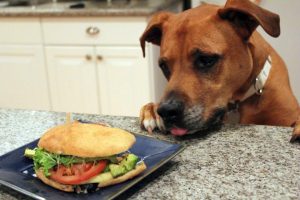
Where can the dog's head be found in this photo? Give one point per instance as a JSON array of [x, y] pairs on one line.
[[205, 55]]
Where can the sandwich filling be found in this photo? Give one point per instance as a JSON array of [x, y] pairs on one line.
[[73, 170]]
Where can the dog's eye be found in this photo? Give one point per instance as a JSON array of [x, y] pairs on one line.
[[205, 62], [164, 67]]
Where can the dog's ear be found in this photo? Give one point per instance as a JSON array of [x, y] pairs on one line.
[[153, 32], [246, 16]]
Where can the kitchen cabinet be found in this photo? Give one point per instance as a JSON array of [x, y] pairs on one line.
[[78, 64], [104, 70], [23, 78], [107, 80], [118, 31], [123, 77], [20, 31], [73, 79]]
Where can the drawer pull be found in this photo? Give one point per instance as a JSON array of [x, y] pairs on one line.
[[99, 58], [88, 57], [92, 30]]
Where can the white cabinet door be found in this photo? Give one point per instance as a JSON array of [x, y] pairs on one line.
[[23, 78], [73, 79], [20, 30], [123, 80]]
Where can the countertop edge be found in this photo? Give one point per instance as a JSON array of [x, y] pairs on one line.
[[39, 12]]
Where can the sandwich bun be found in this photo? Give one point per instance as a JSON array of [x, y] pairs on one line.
[[86, 140]]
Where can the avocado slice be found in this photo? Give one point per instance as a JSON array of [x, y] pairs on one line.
[[117, 170], [29, 153], [101, 178], [129, 162]]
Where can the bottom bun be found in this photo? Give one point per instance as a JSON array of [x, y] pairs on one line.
[[67, 188], [71, 188]]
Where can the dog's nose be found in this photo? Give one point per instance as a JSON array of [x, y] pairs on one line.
[[171, 111]]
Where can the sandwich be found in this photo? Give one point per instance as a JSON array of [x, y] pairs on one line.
[[82, 157]]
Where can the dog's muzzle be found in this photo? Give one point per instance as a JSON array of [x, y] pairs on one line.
[[180, 120], [171, 111]]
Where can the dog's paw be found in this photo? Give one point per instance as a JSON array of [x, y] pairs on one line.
[[296, 133], [149, 119]]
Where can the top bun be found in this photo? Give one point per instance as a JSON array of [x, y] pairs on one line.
[[86, 140]]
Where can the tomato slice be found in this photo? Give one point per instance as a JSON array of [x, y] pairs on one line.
[[77, 173]]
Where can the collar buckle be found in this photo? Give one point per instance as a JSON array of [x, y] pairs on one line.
[[259, 82], [257, 87]]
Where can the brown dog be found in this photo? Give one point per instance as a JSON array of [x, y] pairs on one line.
[[212, 56]]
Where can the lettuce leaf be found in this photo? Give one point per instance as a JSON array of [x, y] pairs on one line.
[[46, 161]]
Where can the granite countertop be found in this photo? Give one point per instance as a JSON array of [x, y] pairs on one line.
[[92, 8], [236, 162]]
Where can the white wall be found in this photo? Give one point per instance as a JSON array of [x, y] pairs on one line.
[[288, 43], [198, 2]]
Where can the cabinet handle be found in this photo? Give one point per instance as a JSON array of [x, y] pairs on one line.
[[88, 57], [92, 30], [99, 58]]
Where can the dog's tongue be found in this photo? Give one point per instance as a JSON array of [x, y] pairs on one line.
[[178, 131]]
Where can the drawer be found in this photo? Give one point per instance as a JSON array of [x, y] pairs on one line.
[[97, 31], [20, 31]]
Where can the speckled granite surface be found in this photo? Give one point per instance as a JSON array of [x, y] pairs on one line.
[[236, 162], [92, 8]]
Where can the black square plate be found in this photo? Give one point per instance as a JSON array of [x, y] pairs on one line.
[[17, 172]]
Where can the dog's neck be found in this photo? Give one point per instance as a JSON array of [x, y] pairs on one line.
[[259, 50], [257, 109]]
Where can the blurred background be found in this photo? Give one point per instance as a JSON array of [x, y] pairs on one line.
[[84, 56]]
